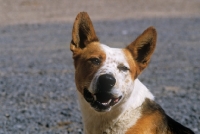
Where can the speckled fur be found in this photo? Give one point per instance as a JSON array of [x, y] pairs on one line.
[[135, 112], [123, 115]]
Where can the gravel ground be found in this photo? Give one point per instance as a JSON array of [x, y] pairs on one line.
[[37, 91]]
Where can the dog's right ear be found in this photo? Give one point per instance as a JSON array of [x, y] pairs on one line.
[[83, 32]]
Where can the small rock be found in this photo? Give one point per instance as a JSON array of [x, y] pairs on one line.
[[171, 88], [7, 115]]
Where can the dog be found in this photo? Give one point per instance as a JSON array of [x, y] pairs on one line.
[[111, 98]]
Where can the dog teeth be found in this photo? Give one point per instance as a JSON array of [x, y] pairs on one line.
[[95, 97], [109, 101], [106, 103]]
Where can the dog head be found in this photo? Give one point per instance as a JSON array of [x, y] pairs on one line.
[[103, 75]]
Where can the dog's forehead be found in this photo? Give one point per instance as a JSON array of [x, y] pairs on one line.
[[114, 55]]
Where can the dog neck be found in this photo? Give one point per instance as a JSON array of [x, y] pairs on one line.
[[120, 118]]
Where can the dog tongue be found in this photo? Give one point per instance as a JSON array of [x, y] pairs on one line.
[[116, 100]]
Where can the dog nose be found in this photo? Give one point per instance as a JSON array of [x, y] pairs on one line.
[[105, 82]]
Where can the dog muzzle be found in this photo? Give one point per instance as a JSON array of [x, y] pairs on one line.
[[103, 99]]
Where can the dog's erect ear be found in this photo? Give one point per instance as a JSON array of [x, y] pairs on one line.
[[143, 47], [83, 32]]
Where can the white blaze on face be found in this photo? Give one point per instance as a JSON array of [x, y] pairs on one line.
[[115, 58]]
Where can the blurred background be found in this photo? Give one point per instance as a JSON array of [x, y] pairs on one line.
[[41, 11], [37, 90]]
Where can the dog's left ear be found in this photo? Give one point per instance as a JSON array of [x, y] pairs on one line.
[[143, 47], [83, 32]]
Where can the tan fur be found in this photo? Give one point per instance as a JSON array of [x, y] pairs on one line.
[[142, 48], [117, 121], [136, 112], [83, 35], [85, 45], [132, 63], [147, 124], [133, 110], [83, 32], [84, 69]]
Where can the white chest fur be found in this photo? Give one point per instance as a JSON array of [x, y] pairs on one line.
[[120, 118]]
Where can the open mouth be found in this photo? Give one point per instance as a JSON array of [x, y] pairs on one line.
[[101, 101]]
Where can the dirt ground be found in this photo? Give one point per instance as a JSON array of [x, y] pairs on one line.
[[37, 90], [41, 11]]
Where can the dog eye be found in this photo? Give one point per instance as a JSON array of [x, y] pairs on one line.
[[123, 68], [95, 61]]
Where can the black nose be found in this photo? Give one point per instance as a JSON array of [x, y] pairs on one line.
[[105, 82]]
